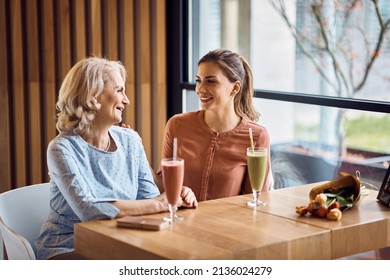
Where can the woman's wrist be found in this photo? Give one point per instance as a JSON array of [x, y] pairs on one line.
[[161, 203]]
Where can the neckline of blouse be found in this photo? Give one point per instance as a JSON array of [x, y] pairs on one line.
[[233, 131]]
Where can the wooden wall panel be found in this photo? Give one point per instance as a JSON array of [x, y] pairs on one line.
[[129, 59], [159, 92], [143, 74], [111, 31], [95, 27], [64, 44], [79, 30], [48, 77], [33, 97], [5, 142], [40, 40], [18, 107]]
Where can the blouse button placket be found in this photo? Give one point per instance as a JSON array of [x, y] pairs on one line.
[[207, 167]]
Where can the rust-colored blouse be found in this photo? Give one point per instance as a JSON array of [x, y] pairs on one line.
[[215, 163]]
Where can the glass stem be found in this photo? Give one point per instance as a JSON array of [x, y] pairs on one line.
[[256, 195], [172, 210]]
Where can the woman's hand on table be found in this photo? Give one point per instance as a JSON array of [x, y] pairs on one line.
[[188, 198]]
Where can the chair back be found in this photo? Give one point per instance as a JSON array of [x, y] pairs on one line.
[[22, 212]]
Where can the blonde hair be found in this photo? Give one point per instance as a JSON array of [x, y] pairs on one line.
[[77, 101], [236, 68]]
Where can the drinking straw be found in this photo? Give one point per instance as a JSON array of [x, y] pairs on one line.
[[251, 138], [174, 148]]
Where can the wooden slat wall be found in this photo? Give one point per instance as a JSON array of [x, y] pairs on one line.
[[40, 40], [159, 86], [5, 115], [18, 121]]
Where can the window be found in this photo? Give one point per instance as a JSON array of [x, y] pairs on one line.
[[322, 114]]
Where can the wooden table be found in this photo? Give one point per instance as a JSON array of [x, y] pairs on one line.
[[363, 228], [228, 229]]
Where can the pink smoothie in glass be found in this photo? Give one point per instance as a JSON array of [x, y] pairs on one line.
[[173, 173]]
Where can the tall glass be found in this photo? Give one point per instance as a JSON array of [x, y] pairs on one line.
[[173, 174], [257, 168]]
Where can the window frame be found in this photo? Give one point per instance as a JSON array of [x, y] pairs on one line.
[[178, 79]]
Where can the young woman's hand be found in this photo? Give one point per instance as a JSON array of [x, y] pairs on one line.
[[125, 125], [188, 198]]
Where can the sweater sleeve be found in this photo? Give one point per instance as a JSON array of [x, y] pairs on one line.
[[65, 171]]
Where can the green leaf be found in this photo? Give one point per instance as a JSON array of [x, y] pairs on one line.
[[330, 194], [347, 193], [344, 203], [330, 201], [344, 196]]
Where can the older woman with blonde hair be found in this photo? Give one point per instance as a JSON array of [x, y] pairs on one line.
[[97, 169]]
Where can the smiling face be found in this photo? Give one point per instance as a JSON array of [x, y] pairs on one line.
[[113, 101], [213, 87]]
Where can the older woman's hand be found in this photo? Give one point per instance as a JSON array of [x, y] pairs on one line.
[[188, 198]]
